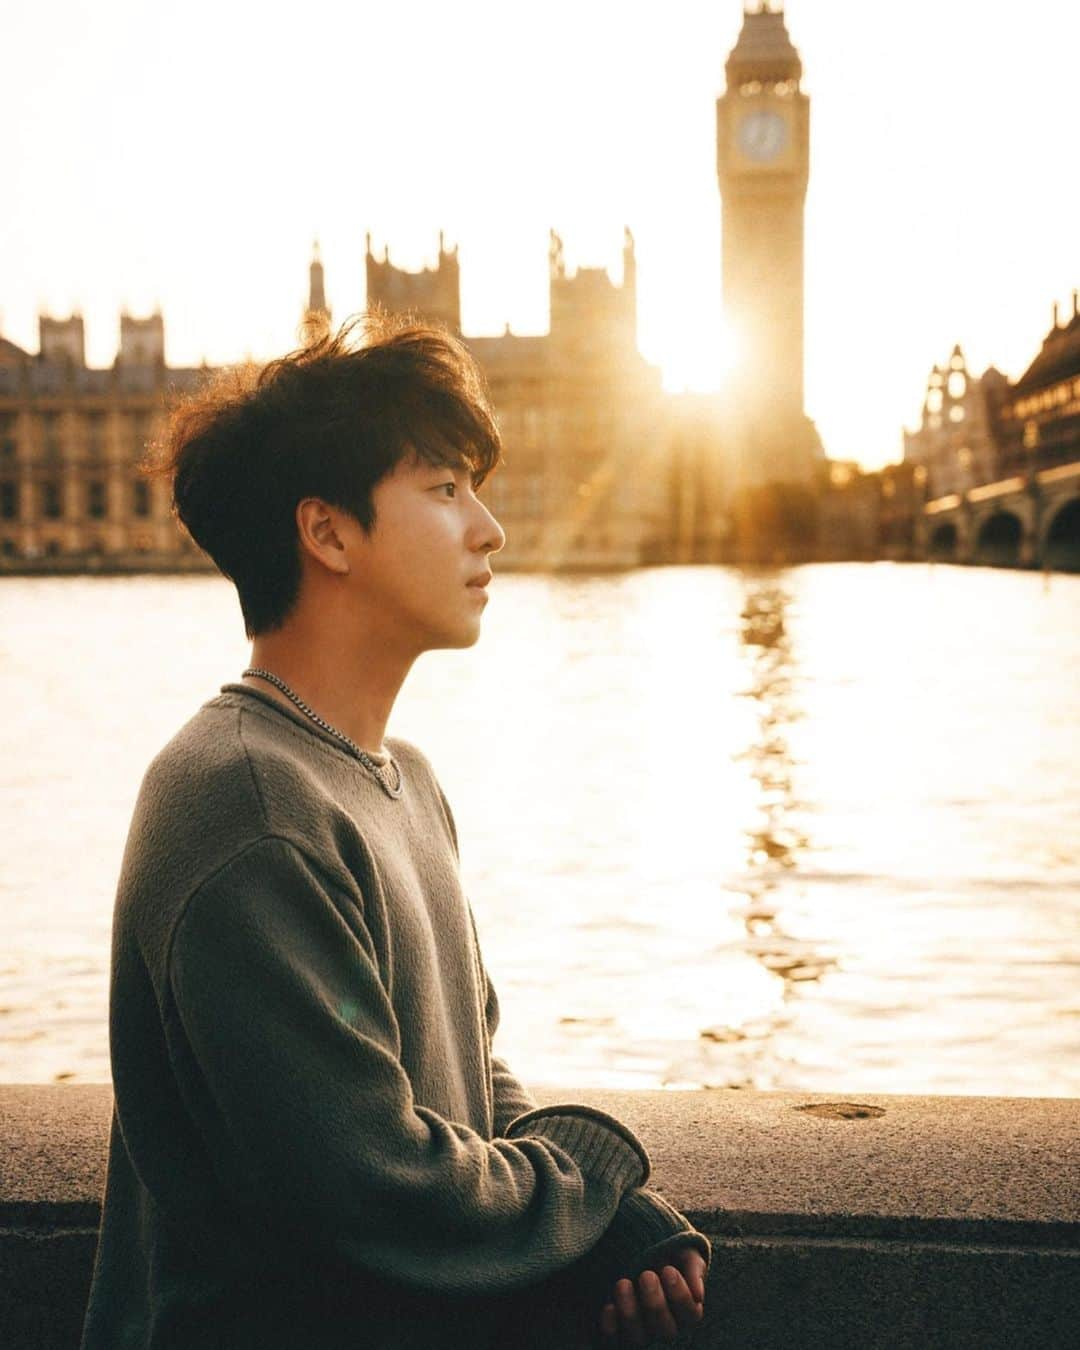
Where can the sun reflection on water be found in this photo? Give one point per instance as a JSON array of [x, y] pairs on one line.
[[813, 829]]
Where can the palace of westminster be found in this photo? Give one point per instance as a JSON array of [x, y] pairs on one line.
[[602, 467]]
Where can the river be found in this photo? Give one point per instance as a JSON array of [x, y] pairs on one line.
[[814, 829]]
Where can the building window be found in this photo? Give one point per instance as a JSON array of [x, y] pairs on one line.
[[139, 433], [7, 436], [9, 501], [95, 434], [52, 549], [95, 500], [50, 440], [51, 503], [956, 414], [140, 498], [9, 549]]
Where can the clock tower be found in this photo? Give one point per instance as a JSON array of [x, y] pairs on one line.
[[763, 164]]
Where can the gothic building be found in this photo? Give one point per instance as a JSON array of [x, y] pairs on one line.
[[985, 429], [1039, 420], [581, 413], [70, 438], [954, 448], [601, 468]]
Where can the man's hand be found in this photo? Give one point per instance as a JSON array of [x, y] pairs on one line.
[[660, 1306]]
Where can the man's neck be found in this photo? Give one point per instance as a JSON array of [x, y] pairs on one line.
[[352, 691]]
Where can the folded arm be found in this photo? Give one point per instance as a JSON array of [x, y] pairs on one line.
[[309, 1119], [645, 1232]]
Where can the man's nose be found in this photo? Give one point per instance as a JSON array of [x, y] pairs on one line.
[[490, 531]]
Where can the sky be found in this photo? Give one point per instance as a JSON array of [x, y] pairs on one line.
[[188, 156]]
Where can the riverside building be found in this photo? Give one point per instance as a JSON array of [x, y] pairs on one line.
[[71, 498], [602, 468], [581, 412]]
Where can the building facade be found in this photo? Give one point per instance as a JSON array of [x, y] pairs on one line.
[[956, 442], [1038, 419], [71, 496], [997, 462], [977, 430], [601, 469], [581, 413]]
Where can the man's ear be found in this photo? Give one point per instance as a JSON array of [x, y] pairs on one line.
[[319, 528]]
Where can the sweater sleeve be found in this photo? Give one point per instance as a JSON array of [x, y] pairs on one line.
[[644, 1235], [290, 1067], [645, 1232]]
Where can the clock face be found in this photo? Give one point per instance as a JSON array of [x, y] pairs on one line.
[[762, 134]]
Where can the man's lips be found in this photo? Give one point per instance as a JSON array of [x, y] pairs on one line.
[[481, 580]]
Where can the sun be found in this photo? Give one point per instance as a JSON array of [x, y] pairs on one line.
[[701, 354]]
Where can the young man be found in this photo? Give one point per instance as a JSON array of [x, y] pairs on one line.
[[313, 1146]]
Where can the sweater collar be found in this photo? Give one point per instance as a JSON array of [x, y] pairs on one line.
[[295, 715]]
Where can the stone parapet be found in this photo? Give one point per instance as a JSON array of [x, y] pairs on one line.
[[877, 1221]]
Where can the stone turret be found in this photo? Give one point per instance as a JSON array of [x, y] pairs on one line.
[[316, 319], [432, 294], [764, 50]]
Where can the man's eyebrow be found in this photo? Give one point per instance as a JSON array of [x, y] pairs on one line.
[[463, 467], [457, 463]]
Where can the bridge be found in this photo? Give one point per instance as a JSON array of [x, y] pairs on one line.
[[1030, 520]]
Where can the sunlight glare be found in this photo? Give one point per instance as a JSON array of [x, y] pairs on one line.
[[701, 354]]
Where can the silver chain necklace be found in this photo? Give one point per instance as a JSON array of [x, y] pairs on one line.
[[380, 771]]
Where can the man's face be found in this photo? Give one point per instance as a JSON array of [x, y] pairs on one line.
[[431, 539]]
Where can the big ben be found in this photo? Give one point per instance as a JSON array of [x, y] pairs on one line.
[[763, 164]]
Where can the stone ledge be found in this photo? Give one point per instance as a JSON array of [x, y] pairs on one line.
[[878, 1220]]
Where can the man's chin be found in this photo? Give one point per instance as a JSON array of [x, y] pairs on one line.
[[460, 638]]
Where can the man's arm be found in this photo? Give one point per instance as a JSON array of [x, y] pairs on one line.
[[287, 1053], [646, 1231], [646, 1234]]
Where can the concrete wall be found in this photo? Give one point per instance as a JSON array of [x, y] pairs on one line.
[[879, 1221]]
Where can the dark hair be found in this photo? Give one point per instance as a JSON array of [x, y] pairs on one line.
[[330, 421]]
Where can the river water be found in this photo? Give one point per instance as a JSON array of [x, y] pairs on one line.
[[814, 829]]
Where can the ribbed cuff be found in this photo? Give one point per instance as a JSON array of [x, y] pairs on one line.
[[645, 1233], [601, 1146]]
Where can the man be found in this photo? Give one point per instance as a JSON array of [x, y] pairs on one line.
[[312, 1143]]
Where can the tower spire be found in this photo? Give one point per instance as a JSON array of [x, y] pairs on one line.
[[315, 323], [629, 283]]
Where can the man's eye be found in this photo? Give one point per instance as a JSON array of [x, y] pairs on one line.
[[451, 486]]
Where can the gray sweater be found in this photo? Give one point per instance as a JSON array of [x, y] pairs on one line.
[[312, 1143]]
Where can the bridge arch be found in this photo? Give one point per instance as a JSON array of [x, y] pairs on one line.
[[997, 543], [943, 543], [1061, 546]]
